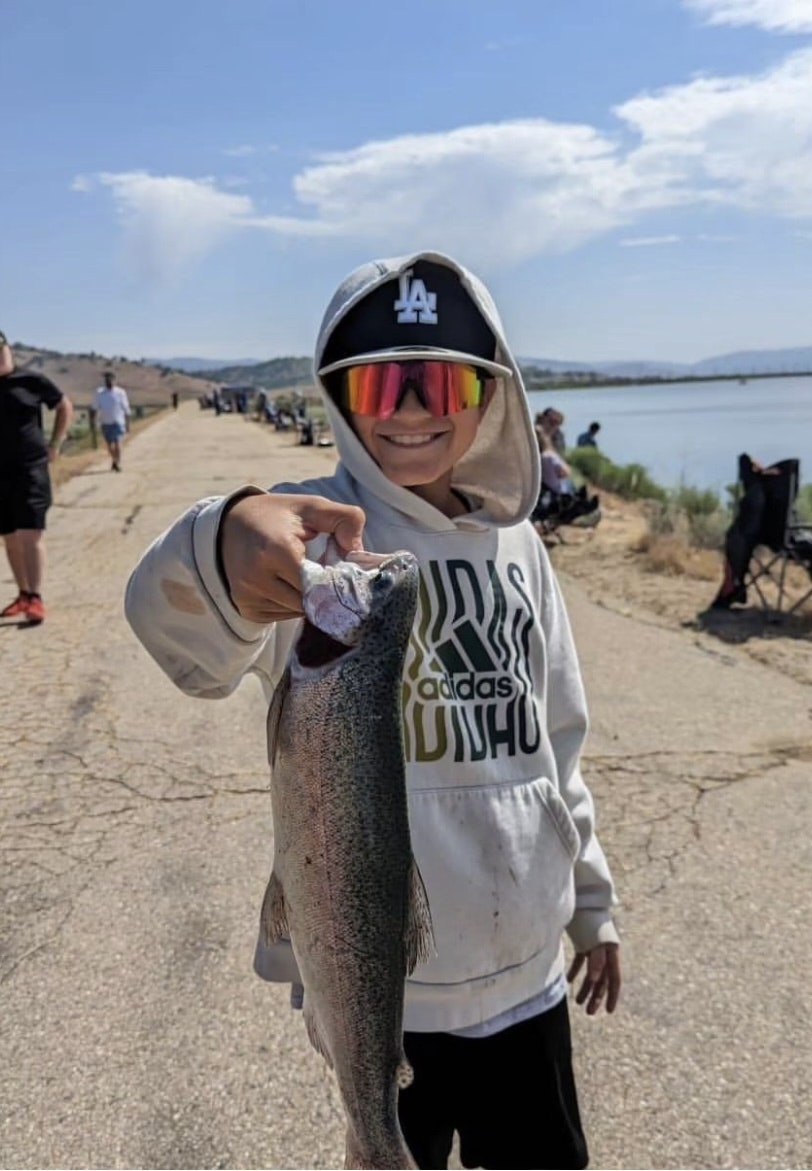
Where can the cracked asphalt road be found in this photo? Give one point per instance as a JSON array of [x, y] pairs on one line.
[[135, 844]]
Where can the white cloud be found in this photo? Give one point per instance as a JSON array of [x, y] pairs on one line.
[[648, 241], [502, 193], [744, 141], [170, 221], [81, 183], [781, 16]]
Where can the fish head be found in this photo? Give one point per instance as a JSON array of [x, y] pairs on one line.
[[349, 600]]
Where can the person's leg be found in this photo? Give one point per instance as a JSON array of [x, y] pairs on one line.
[[31, 553], [520, 1101], [16, 561], [425, 1108], [17, 607]]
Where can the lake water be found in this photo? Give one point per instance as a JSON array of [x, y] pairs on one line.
[[693, 432]]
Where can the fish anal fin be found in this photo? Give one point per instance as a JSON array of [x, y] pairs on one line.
[[273, 918], [419, 940], [314, 1033]]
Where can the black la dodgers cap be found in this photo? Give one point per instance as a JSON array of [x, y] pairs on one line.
[[422, 314]]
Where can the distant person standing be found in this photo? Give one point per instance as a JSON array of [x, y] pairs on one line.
[[588, 437], [113, 410], [25, 481]]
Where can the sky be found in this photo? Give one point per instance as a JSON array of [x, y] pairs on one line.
[[631, 178]]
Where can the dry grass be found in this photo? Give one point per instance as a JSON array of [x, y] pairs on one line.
[[673, 555]]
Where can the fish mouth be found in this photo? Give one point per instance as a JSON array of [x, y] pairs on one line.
[[316, 648]]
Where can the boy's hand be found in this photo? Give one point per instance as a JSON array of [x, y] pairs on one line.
[[262, 544], [602, 977]]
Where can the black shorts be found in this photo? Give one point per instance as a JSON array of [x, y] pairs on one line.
[[25, 497], [510, 1097]]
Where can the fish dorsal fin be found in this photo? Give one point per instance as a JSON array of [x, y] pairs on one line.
[[275, 713]]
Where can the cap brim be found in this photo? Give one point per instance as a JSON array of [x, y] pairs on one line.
[[418, 354]]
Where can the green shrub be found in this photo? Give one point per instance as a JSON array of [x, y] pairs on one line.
[[696, 501], [631, 481], [708, 529], [805, 503]]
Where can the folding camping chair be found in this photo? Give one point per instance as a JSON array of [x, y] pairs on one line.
[[766, 537], [795, 549]]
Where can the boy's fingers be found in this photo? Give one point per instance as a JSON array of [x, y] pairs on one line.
[[575, 967], [345, 522], [614, 977]]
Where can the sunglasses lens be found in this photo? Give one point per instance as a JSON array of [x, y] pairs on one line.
[[443, 387]]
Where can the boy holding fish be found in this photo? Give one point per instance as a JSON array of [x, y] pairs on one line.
[[438, 458]]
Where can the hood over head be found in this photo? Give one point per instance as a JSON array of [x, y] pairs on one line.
[[428, 307]]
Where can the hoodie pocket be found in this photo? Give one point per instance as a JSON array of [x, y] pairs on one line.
[[497, 863]]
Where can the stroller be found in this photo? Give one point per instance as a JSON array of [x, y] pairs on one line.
[[766, 519]]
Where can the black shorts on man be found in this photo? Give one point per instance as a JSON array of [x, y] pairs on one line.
[[25, 497]]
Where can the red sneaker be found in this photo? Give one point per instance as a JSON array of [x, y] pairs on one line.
[[35, 611], [16, 609]]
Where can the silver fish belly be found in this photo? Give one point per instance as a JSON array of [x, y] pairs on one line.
[[345, 886]]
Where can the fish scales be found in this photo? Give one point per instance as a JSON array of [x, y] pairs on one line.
[[344, 884]]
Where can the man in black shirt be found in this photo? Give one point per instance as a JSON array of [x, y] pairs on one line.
[[25, 481]]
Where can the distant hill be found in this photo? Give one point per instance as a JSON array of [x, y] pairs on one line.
[[201, 365], [791, 361], [272, 375], [743, 362], [78, 375]]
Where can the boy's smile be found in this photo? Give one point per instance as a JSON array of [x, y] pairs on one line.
[[417, 450]]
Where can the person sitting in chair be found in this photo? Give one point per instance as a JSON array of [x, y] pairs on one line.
[[559, 502]]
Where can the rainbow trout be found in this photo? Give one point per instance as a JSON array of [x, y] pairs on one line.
[[345, 887]]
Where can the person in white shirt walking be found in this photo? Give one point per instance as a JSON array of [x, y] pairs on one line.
[[113, 411]]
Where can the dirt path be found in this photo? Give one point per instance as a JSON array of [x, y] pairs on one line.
[[135, 845]]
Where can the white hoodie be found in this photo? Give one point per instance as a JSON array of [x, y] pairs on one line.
[[494, 713]]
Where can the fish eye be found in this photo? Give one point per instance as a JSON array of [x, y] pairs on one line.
[[384, 580]]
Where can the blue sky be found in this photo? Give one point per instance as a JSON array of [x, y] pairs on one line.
[[633, 178]]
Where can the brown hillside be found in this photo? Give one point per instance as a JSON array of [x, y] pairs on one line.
[[78, 375]]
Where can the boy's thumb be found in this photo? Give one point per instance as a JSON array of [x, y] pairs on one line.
[[345, 523]]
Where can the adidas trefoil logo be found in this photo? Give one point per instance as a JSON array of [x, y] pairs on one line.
[[415, 304]]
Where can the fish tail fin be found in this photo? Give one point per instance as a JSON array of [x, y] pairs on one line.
[[419, 940], [314, 1033], [273, 918]]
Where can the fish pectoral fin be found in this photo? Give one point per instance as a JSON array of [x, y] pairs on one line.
[[273, 918], [314, 1033], [419, 941], [275, 714]]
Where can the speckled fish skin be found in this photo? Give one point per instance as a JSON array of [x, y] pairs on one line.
[[345, 886]]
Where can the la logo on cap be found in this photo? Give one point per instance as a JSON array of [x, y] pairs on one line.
[[415, 303]]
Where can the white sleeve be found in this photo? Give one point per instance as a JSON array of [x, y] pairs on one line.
[[567, 727], [178, 605]]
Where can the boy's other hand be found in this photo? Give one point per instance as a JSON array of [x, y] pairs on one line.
[[263, 543], [601, 979]]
